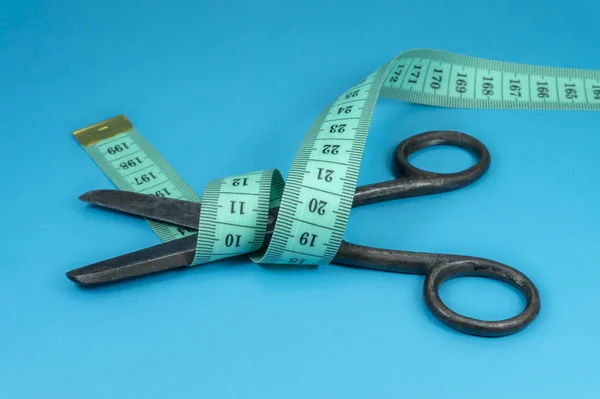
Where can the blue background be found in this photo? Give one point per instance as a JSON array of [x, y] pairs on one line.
[[229, 87]]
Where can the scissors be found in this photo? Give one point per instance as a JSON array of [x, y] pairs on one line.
[[411, 181]]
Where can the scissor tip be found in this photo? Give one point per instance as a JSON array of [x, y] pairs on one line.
[[86, 278], [90, 195], [75, 277], [85, 197]]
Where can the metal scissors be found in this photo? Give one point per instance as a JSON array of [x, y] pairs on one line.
[[411, 182]]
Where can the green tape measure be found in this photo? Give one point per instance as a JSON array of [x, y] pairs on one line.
[[234, 214], [315, 202]]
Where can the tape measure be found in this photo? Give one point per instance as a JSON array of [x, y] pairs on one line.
[[315, 202]]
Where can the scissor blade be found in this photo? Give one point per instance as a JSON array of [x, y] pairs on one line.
[[170, 255], [181, 213]]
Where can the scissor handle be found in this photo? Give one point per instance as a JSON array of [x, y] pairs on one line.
[[451, 181], [479, 267], [413, 181], [438, 268], [456, 267]]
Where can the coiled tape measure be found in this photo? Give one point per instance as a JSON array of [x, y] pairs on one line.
[[315, 200]]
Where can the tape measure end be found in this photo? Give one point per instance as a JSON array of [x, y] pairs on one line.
[[106, 129]]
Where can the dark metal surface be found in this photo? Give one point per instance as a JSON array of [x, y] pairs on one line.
[[411, 182]]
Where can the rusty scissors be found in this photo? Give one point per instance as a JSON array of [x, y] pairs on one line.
[[411, 181]]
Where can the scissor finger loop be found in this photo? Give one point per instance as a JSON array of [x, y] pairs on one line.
[[443, 137], [479, 267], [412, 181]]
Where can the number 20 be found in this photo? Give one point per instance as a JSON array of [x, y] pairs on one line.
[[318, 206]]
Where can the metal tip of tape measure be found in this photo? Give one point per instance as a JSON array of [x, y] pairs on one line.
[[92, 134]]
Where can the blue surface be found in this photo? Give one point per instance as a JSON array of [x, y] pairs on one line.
[[228, 87]]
